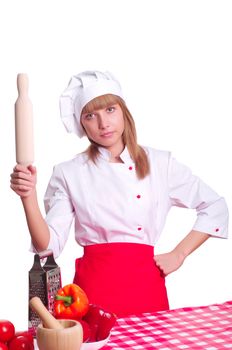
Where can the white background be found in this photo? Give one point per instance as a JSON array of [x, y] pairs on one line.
[[173, 59]]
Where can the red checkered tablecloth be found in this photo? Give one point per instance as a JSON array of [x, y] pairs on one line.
[[205, 328]]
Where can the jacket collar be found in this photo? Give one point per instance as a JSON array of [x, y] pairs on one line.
[[125, 155]]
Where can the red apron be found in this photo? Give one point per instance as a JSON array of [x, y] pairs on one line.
[[122, 278]]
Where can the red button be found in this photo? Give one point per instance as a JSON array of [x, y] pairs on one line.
[[130, 167], [217, 229], [139, 228], [138, 196]]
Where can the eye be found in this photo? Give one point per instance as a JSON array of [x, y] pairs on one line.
[[111, 109], [88, 116]]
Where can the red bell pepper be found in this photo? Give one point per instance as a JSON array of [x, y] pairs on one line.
[[100, 322], [86, 330], [107, 322], [71, 302]]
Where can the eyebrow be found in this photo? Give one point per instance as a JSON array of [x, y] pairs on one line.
[[96, 110]]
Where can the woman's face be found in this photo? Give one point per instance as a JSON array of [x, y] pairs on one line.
[[105, 127]]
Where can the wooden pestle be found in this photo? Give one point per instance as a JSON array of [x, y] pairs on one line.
[[48, 320]]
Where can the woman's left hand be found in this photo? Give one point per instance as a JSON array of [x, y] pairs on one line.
[[168, 262]]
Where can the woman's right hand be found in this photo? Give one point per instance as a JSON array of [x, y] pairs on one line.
[[23, 180]]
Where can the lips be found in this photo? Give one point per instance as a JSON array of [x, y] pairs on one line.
[[107, 134]]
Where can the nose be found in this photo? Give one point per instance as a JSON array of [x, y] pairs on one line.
[[103, 121]]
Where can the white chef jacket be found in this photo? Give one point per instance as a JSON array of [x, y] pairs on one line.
[[110, 204]]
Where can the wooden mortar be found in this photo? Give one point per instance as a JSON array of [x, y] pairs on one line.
[[56, 334]]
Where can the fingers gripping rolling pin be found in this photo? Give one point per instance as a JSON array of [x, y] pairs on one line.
[[23, 123]]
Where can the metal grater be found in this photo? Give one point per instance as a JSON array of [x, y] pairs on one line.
[[44, 282]]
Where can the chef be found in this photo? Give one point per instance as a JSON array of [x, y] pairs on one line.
[[119, 194]]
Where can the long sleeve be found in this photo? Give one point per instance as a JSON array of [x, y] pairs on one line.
[[60, 211], [189, 191]]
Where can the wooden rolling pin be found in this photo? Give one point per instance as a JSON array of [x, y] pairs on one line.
[[23, 123], [46, 317]]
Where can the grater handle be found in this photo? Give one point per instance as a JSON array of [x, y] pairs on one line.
[[46, 317], [45, 253]]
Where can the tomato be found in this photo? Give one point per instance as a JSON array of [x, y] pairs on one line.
[[26, 334], [20, 342], [7, 330], [3, 347]]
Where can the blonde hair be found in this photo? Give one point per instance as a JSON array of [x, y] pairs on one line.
[[129, 136]]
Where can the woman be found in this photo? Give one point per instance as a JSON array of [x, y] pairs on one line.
[[119, 194]]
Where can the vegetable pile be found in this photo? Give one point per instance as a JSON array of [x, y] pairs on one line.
[[72, 303], [11, 340]]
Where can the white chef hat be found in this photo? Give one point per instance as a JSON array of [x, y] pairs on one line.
[[82, 88]]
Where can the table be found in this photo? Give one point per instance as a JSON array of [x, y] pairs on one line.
[[204, 328]]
